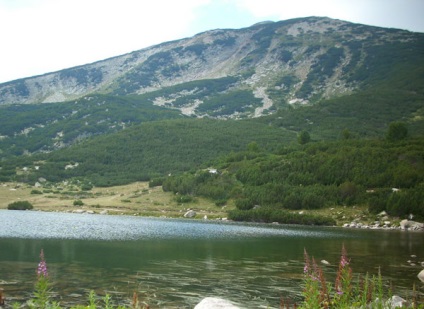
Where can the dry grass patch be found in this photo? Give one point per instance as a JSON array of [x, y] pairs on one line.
[[134, 199]]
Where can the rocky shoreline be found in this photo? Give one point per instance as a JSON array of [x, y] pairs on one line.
[[383, 222]]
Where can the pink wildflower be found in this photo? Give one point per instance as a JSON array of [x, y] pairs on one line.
[[42, 266], [343, 259]]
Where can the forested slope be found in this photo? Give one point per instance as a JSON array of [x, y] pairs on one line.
[[147, 150], [385, 175]]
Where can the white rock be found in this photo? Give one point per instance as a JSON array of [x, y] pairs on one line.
[[421, 275], [325, 262], [190, 214], [215, 303], [397, 302]]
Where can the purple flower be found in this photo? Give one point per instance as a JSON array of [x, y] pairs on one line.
[[42, 266], [344, 261]]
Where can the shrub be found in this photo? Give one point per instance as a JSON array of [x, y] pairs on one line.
[[86, 187], [221, 202], [35, 191], [184, 199], [20, 205], [78, 203]]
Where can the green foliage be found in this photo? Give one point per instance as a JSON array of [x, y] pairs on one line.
[[86, 186], [345, 292], [315, 176], [303, 137], [397, 131], [78, 203], [229, 103], [323, 68], [150, 150], [20, 205], [183, 199], [70, 122], [35, 191]]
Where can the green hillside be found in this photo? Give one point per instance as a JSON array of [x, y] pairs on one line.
[[266, 185], [146, 150]]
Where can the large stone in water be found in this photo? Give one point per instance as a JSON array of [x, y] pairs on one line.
[[215, 303], [421, 275]]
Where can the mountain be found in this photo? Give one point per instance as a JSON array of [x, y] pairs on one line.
[[143, 114], [241, 73]]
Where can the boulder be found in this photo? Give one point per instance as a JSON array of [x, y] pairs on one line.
[[190, 214], [215, 303], [421, 275], [408, 224], [397, 302]]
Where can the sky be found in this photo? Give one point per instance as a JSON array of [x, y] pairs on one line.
[[41, 36]]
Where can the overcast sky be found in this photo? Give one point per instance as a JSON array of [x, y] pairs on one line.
[[41, 36]]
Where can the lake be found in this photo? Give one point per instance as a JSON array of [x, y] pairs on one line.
[[174, 263]]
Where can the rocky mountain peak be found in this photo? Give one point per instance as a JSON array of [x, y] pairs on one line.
[[229, 73]]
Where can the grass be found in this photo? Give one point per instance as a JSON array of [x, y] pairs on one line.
[[132, 199]]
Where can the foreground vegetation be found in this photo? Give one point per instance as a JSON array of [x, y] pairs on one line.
[[346, 292]]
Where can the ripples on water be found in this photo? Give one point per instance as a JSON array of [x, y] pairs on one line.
[[175, 263], [30, 224]]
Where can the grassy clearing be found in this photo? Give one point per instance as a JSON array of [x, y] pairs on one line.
[[132, 199]]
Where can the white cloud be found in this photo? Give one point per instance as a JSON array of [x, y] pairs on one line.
[[48, 35], [404, 14]]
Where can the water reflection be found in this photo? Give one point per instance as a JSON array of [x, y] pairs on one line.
[[176, 263]]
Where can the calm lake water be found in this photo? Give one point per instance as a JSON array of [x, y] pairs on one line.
[[176, 263]]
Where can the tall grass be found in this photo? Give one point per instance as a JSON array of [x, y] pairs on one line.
[[366, 292]]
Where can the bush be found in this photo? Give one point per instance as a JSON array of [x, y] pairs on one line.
[[184, 199], [86, 187], [20, 205], [35, 191], [221, 202], [78, 203]]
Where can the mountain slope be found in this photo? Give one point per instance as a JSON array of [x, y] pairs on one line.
[[258, 69]]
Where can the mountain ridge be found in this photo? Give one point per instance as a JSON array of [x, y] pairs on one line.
[[303, 60]]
